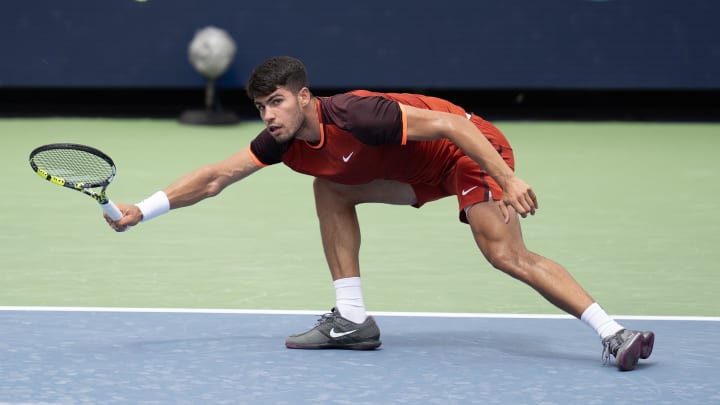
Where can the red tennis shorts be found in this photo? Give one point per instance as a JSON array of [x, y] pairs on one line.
[[466, 179]]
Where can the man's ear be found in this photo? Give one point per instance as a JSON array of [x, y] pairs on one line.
[[304, 96]]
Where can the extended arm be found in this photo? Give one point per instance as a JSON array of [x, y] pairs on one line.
[[427, 125], [208, 181], [204, 182]]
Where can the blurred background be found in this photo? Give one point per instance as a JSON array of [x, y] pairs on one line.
[[555, 59], [585, 91], [612, 110]]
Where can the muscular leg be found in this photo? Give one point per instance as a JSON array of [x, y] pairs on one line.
[[347, 326], [503, 247], [339, 228], [501, 244]]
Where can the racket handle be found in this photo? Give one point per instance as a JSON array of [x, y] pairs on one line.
[[112, 210]]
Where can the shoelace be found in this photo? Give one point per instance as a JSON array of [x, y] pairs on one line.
[[606, 352], [326, 317], [614, 340]]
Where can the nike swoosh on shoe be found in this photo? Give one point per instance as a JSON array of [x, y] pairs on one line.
[[334, 334]]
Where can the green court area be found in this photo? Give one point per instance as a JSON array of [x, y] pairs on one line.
[[632, 209]]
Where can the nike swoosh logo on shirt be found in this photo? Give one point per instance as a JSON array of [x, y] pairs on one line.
[[334, 334], [467, 190], [346, 158]]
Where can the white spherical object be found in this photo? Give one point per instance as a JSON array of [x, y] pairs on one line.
[[211, 51]]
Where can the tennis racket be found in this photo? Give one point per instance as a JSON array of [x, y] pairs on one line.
[[77, 167]]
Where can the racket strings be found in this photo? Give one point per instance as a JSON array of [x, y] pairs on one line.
[[75, 166]]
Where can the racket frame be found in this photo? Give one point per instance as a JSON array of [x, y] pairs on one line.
[[84, 187]]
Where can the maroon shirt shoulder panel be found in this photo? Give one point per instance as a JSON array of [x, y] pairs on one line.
[[373, 120], [267, 150]]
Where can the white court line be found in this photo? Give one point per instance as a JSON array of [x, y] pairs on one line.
[[319, 312]]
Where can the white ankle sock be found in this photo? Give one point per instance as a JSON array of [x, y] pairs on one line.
[[349, 299], [596, 317]]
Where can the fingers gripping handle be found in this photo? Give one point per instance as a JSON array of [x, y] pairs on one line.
[[112, 210]]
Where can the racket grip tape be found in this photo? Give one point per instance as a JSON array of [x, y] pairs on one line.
[[112, 210]]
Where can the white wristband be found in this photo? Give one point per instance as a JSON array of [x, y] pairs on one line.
[[153, 206]]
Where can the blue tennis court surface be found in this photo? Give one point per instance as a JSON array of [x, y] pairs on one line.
[[98, 357]]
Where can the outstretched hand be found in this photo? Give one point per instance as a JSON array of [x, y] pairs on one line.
[[131, 217], [520, 196]]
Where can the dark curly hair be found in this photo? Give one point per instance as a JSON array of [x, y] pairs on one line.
[[277, 71]]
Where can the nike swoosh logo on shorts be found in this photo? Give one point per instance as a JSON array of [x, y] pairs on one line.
[[346, 158], [334, 334], [467, 190]]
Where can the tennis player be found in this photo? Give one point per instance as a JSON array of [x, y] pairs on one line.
[[366, 147]]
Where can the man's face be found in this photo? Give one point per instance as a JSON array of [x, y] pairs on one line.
[[282, 113]]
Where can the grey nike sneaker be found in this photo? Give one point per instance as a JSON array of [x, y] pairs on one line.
[[335, 332], [628, 346]]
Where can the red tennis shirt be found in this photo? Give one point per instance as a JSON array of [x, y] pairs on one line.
[[363, 137]]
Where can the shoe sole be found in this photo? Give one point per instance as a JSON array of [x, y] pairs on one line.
[[367, 345], [627, 357], [647, 345]]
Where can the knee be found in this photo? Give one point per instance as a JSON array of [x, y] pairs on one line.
[[321, 185], [328, 191], [325, 187], [501, 259], [508, 261]]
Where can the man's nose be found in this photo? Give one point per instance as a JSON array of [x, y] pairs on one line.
[[268, 115]]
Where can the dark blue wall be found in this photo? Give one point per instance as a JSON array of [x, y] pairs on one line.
[[447, 44]]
